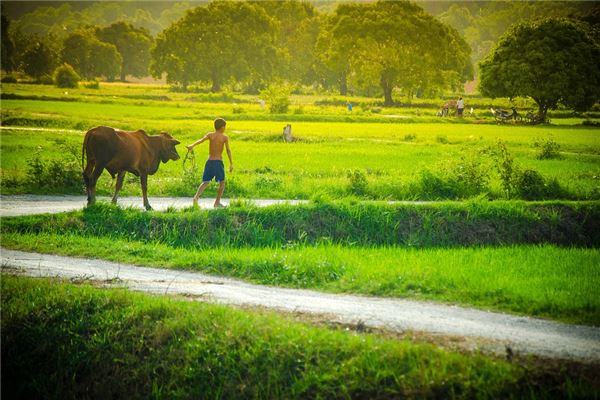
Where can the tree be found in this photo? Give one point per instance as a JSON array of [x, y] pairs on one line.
[[91, 57], [39, 59], [333, 55], [398, 45], [215, 43], [553, 61], [133, 45], [297, 28], [8, 47]]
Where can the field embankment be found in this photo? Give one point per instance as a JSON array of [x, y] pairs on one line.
[[61, 340], [345, 223], [525, 258]]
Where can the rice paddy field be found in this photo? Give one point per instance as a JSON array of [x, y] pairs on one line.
[[390, 155], [525, 244]]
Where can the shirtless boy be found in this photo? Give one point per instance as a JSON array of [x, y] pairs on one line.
[[214, 167]]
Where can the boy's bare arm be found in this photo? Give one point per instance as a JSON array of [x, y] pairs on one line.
[[229, 155], [197, 142]]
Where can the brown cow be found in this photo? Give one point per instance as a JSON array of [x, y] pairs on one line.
[[120, 152]]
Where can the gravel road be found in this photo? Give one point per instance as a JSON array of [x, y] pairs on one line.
[[524, 335], [36, 204]]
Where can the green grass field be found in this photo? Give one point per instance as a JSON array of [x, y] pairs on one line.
[[433, 252], [537, 258], [66, 341], [390, 153]]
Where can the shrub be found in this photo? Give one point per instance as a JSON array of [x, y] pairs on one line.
[[63, 174], [531, 185], [470, 174], [238, 110], [9, 79], [278, 98], [45, 80], [410, 137], [358, 184], [548, 148], [506, 167], [92, 85], [442, 139], [269, 181], [432, 186], [589, 122], [66, 77]]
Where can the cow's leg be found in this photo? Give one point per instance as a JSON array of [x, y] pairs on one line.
[[93, 180], [87, 173], [144, 182], [118, 186]]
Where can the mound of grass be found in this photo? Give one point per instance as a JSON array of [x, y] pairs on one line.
[[63, 341], [366, 224]]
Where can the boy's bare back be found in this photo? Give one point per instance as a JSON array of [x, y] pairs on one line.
[[217, 142]]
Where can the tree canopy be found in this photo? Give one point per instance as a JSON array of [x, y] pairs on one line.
[[398, 45], [39, 59], [91, 57], [133, 44], [553, 61], [215, 43]]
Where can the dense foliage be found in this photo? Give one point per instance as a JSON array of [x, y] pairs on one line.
[[215, 43], [66, 77], [553, 61], [397, 45], [133, 44], [373, 49]]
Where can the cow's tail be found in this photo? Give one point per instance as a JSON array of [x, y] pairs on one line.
[[83, 152]]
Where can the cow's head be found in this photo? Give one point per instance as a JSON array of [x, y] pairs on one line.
[[168, 150]]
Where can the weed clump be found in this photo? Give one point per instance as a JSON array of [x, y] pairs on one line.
[[358, 184], [548, 148], [526, 184], [63, 174]]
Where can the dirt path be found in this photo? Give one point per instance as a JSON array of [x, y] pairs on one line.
[[29, 204], [35, 204], [524, 335]]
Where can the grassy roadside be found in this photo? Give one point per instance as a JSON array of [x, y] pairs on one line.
[[66, 341], [542, 281], [446, 224]]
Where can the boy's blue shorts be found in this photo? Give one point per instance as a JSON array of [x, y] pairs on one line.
[[214, 169]]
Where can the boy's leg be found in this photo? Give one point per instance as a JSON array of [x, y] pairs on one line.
[[219, 194], [201, 189]]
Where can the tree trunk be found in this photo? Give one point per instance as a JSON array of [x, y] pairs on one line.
[[542, 112], [387, 87], [343, 85], [123, 72], [216, 83], [387, 94]]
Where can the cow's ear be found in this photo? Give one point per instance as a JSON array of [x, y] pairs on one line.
[[175, 142]]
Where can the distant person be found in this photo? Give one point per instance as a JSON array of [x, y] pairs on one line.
[[445, 109], [262, 104], [349, 105], [214, 167], [460, 107]]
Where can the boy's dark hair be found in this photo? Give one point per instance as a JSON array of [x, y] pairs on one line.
[[219, 123]]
